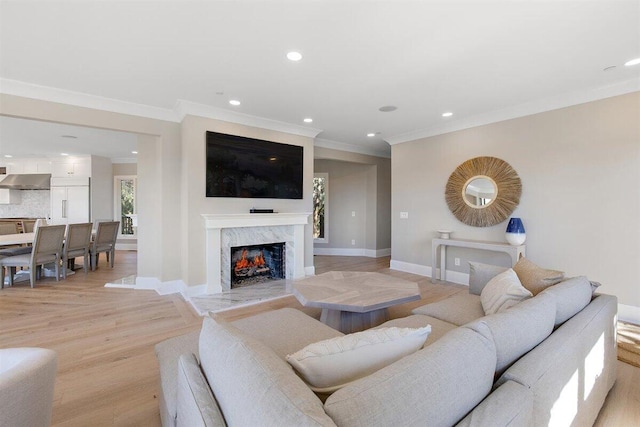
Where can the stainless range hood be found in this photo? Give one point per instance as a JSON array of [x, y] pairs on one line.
[[29, 181]]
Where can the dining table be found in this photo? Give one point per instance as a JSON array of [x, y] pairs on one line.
[[16, 239]]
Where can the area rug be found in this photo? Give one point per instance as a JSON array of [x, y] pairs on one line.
[[629, 343]]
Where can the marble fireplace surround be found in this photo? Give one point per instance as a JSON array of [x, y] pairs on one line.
[[224, 231]]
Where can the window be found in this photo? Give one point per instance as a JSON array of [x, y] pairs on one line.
[[321, 207], [125, 206]]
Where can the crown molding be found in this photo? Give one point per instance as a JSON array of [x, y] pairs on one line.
[[343, 146], [177, 114], [526, 109], [184, 108], [62, 96]]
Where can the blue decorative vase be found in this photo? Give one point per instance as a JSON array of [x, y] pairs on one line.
[[515, 232]]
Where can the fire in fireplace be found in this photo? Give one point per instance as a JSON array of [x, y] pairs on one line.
[[257, 264]]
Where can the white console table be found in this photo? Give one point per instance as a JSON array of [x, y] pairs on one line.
[[515, 252]]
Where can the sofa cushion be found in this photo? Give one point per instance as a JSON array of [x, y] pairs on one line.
[[286, 330], [480, 274], [196, 405], [502, 292], [572, 295], [518, 329], [535, 278], [511, 404], [252, 384], [435, 386], [458, 309], [330, 364], [438, 327]]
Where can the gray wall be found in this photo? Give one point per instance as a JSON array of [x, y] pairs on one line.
[[347, 193], [580, 204], [125, 169], [360, 183]]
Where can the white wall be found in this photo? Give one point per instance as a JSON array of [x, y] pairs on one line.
[[580, 204], [196, 203], [101, 188]]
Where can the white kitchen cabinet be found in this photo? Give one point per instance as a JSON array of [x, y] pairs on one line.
[[70, 200], [80, 167]]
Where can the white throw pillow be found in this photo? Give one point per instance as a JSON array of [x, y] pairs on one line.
[[502, 292], [329, 365]]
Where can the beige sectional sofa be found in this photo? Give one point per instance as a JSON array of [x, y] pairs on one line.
[[549, 360]]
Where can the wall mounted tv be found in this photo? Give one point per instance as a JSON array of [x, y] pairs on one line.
[[252, 168]]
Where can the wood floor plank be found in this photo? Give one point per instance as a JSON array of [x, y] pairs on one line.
[[105, 337]]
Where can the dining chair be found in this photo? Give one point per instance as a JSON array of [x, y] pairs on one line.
[[105, 241], [8, 228], [28, 225], [76, 243], [47, 247]]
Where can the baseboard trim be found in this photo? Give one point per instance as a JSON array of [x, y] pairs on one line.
[[310, 271], [629, 313], [371, 253], [424, 270], [126, 246]]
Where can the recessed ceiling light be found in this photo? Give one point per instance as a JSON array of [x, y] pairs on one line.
[[134, 152], [69, 136], [447, 114], [371, 135], [388, 108], [635, 61], [64, 154], [8, 156], [308, 120], [234, 102], [294, 56]]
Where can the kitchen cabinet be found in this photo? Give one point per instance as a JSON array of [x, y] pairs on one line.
[[70, 200], [79, 167]]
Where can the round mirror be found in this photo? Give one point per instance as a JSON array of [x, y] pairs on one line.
[[480, 191], [483, 191]]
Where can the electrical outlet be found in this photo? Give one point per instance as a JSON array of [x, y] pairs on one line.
[[457, 261], [353, 242], [353, 213], [404, 215]]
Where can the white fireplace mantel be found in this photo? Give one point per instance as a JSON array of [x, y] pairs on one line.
[[215, 223]]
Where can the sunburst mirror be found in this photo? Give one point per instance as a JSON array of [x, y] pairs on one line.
[[483, 191]]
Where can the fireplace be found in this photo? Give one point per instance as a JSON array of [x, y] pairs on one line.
[[225, 231], [255, 264]]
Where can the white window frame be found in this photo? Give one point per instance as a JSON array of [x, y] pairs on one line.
[[324, 176], [117, 207]]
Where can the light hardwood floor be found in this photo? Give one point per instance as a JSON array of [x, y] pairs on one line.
[[107, 371]]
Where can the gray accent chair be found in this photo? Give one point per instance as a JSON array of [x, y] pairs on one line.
[[27, 378], [105, 241], [47, 248], [76, 244]]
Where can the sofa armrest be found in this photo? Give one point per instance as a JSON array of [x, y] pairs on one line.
[[196, 405], [511, 405]]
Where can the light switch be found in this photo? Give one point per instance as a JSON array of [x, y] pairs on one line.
[[404, 215], [353, 213]]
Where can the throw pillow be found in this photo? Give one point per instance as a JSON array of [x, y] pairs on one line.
[[502, 292], [534, 278], [480, 274], [330, 364]]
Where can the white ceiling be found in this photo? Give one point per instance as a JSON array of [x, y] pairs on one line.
[[482, 60]]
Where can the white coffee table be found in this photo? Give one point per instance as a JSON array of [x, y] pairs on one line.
[[352, 301]]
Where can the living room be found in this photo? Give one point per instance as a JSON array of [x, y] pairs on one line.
[[573, 140]]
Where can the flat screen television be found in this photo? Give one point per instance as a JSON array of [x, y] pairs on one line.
[[252, 168]]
